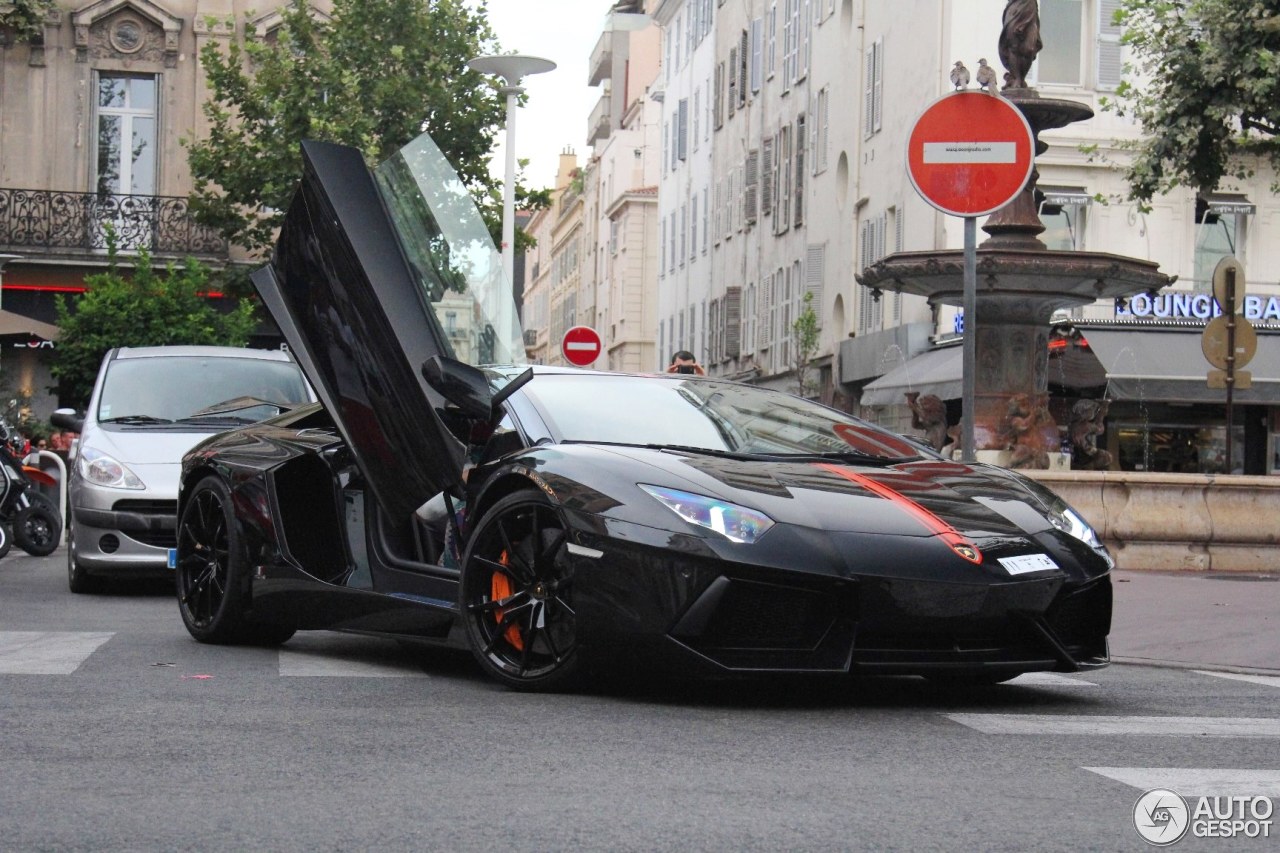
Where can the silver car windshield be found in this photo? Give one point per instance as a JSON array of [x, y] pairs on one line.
[[452, 254], [172, 388]]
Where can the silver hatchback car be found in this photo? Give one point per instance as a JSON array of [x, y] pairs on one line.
[[150, 405]]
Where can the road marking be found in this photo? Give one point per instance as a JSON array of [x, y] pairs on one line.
[[1197, 782], [1048, 679], [47, 652], [1268, 680], [1070, 724], [345, 657]]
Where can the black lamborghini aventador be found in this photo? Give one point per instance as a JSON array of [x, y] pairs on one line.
[[561, 523]]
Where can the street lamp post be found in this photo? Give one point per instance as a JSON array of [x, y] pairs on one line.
[[511, 68]]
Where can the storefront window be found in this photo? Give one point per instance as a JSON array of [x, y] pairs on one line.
[[1179, 449]]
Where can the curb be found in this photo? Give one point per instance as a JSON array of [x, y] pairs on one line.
[[1210, 667]]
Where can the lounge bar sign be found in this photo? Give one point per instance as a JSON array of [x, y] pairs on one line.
[[1184, 305]]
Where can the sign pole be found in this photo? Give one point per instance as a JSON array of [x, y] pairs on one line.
[[970, 355], [1230, 310]]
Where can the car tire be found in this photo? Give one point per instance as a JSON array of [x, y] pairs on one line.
[[79, 580], [211, 570], [37, 528], [516, 595]]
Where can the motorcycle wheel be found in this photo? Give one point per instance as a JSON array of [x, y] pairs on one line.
[[37, 529], [6, 540]]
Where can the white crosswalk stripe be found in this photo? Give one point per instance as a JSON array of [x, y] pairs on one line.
[[1197, 782], [1267, 680], [1071, 724], [1048, 679], [47, 652]]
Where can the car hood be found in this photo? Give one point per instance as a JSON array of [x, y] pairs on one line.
[[374, 272], [145, 447], [908, 499]]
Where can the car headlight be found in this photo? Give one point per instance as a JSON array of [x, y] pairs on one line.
[[733, 522], [103, 470], [1068, 520]]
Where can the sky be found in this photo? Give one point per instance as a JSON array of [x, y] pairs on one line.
[[560, 101]]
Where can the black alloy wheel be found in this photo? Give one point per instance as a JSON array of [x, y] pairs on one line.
[[37, 528], [517, 595], [211, 569]]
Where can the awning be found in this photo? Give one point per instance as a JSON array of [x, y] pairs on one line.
[[937, 371], [12, 324], [1170, 366]]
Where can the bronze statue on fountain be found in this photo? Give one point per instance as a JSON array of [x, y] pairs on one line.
[[1020, 281]]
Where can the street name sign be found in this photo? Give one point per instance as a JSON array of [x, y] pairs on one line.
[[970, 153]]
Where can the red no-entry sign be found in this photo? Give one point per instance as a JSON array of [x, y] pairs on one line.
[[970, 153], [581, 345]]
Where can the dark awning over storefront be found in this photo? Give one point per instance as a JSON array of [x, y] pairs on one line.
[[934, 372], [1170, 366]]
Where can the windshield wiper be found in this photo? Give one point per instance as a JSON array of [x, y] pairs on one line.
[[135, 419]]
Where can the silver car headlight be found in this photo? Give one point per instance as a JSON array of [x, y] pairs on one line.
[[103, 470]]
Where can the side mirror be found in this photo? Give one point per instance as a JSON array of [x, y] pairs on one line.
[[67, 419], [461, 384]]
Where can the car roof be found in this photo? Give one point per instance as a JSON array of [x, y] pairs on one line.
[[201, 352]]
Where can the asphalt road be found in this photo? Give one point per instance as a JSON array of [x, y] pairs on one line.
[[122, 733]]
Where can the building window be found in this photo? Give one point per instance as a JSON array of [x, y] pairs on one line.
[[873, 89], [1063, 211], [125, 142], [1061, 26], [771, 43], [1220, 231]]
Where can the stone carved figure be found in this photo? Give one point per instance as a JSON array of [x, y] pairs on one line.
[[1019, 41], [1087, 423], [929, 413], [1026, 431]]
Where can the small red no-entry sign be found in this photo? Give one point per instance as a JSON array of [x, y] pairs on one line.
[[581, 345], [970, 153]]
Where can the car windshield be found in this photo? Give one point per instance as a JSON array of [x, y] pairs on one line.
[[701, 414], [171, 388], [451, 253]]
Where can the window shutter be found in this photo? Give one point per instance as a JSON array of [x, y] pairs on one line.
[[682, 149], [815, 263], [771, 49], [717, 97], [751, 196], [766, 176], [1110, 66], [733, 80], [732, 316], [824, 99], [868, 93], [806, 25], [757, 47], [693, 227], [878, 95], [744, 60], [706, 216], [801, 131]]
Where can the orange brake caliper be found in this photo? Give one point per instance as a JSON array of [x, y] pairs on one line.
[[500, 588]]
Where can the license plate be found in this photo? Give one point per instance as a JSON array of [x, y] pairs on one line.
[[173, 558], [1025, 563]]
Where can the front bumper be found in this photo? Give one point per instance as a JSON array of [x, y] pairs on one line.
[[133, 537], [677, 599]]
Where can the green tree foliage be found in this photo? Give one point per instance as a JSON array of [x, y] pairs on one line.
[[805, 333], [26, 19], [147, 309], [374, 76], [1207, 91]]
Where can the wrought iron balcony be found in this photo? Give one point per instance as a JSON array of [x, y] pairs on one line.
[[71, 223]]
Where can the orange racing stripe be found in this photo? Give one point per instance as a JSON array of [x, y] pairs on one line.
[[931, 522]]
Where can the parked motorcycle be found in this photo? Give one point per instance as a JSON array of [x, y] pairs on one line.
[[27, 518]]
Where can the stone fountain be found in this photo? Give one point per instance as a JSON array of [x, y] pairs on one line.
[[1020, 281]]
